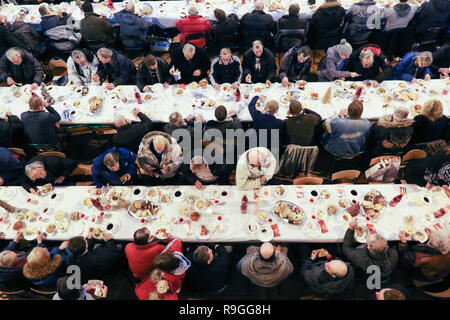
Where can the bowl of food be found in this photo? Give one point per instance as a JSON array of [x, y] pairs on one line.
[[165, 198], [178, 195], [252, 225], [373, 204], [261, 216], [203, 232], [162, 232], [142, 209], [289, 212]]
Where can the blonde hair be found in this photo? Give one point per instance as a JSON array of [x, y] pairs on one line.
[[366, 54], [38, 256], [176, 119], [8, 259], [433, 109], [426, 57], [272, 107], [440, 240]]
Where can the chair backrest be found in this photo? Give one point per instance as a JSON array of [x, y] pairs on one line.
[[53, 153], [414, 154], [308, 181], [374, 161], [18, 151], [298, 158], [345, 176], [288, 38], [82, 169]]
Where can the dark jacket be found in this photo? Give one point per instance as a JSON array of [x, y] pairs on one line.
[[441, 58], [324, 26], [292, 22], [291, 68], [226, 33], [268, 66], [12, 279], [372, 73], [51, 21], [99, 262], [426, 130], [39, 126], [288, 24], [130, 135], [144, 77], [390, 137], [8, 40], [133, 29], [230, 73], [54, 166], [222, 126], [93, 27], [418, 168], [361, 258], [29, 39], [317, 279], [269, 122], [356, 21], [300, 130], [9, 130], [28, 72], [221, 171], [11, 166], [433, 13], [209, 277], [257, 25], [199, 61], [101, 173], [120, 71]]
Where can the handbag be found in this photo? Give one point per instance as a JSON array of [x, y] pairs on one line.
[[384, 171]]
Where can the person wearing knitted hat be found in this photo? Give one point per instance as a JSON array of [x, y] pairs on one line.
[[392, 134], [329, 67]]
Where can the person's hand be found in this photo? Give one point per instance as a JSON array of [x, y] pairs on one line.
[[166, 85], [149, 171], [190, 117], [217, 86], [235, 85], [402, 236], [165, 170], [428, 232], [40, 237], [285, 82], [199, 118], [371, 230], [1, 181], [327, 254], [146, 89], [136, 111], [263, 180], [172, 70], [60, 180], [375, 84], [125, 177], [447, 190], [342, 78], [232, 113], [353, 225], [34, 86], [268, 83], [8, 114], [414, 80], [96, 78], [197, 73], [429, 186], [314, 254], [107, 236], [64, 245], [198, 185], [90, 234], [248, 78], [110, 86], [33, 191], [427, 77], [10, 81], [354, 74], [343, 112], [19, 236]]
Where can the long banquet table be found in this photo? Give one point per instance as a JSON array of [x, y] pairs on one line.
[[224, 218], [160, 103]]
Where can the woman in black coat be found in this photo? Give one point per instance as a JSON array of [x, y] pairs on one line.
[[431, 124], [430, 170]]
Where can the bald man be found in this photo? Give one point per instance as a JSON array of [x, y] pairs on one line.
[[130, 133], [255, 167], [160, 157], [266, 266], [133, 28]]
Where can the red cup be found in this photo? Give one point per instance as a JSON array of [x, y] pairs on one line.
[[181, 220], [311, 200], [29, 200], [270, 219], [219, 218], [102, 214], [313, 217], [368, 218], [143, 220]]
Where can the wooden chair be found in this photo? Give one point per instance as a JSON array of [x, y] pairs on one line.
[[43, 292], [376, 160], [103, 132], [82, 169], [344, 157], [53, 153], [410, 155], [18, 151], [345, 176], [308, 181]]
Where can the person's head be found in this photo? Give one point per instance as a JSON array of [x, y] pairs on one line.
[[220, 113], [259, 5], [142, 236], [295, 108], [38, 256], [44, 9], [267, 251], [355, 110], [120, 121], [159, 144], [377, 245], [104, 55], [15, 56], [294, 10], [203, 255], [193, 10], [129, 7], [336, 268], [433, 109], [35, 170], [257, 48], [344, 49], [440, 240], [225, 56], [188, 51], [303, 54], [254, 157], [36, 103], [79, 57], [166, 262], [198, 163], [64, 292], [367, 58], [220, 15], [444, 173], [78, 246], [176, 119], [271, 107], [8, 259], [111, 161], [87, 7], [400, 114], [151, 62], [423, 59], [390, 294]]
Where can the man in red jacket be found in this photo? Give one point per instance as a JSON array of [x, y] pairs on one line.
[[194, 23], [141, 252]]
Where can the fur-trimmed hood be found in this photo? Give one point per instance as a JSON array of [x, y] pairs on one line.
[[329, 5], [395, 124], [42, 271]]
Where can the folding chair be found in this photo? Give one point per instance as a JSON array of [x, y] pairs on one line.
[[53, 153], [18, 151], [345, 177], [308, 181]]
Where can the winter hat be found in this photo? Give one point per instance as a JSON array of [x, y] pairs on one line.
[[400, 114], [344, 48]]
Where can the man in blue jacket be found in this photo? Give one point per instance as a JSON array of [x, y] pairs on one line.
[[133, 28], [114, 167], [11, 167], [414, 65]]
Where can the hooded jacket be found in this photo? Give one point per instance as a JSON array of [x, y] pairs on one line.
[[194, 23], [171, 155], [268, 66], [327, 66], [406, 69], [391, 137], [433, 13], [248, 177], [426, 130], [28, 72], [226, 33], [133, 29], [130, 135], [361, 258], [398, 16], [265, 273], [51, 21], [8, 40], [144, 77], [291, 68], [120, 71], [11, 166], [356, 18]]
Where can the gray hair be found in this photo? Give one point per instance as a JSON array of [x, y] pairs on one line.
[[259, 5], [78, 55], [257, 43], [7, 259], [176, 119], [129, 7], [188, 48], [440, 240], [225, 51], [120, 121], [29, 168], [193, 10], [105, 53], [13, 52], [366, 54], [377, 245]]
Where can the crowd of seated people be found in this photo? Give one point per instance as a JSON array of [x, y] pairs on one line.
[[141, 154]]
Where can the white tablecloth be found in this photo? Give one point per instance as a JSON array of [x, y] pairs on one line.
[[233, 224], [165, 101]]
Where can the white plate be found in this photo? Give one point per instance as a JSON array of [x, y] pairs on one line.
[[266, 193], [362, 239], [178, 195], [115, 225], [312, 229], [8, 193], [265, 233], [62, 230], [198, 229], [169, 200], [154, 198], [211, 192], [139, 196], [254, 223], [161, 226], [34, 236]]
